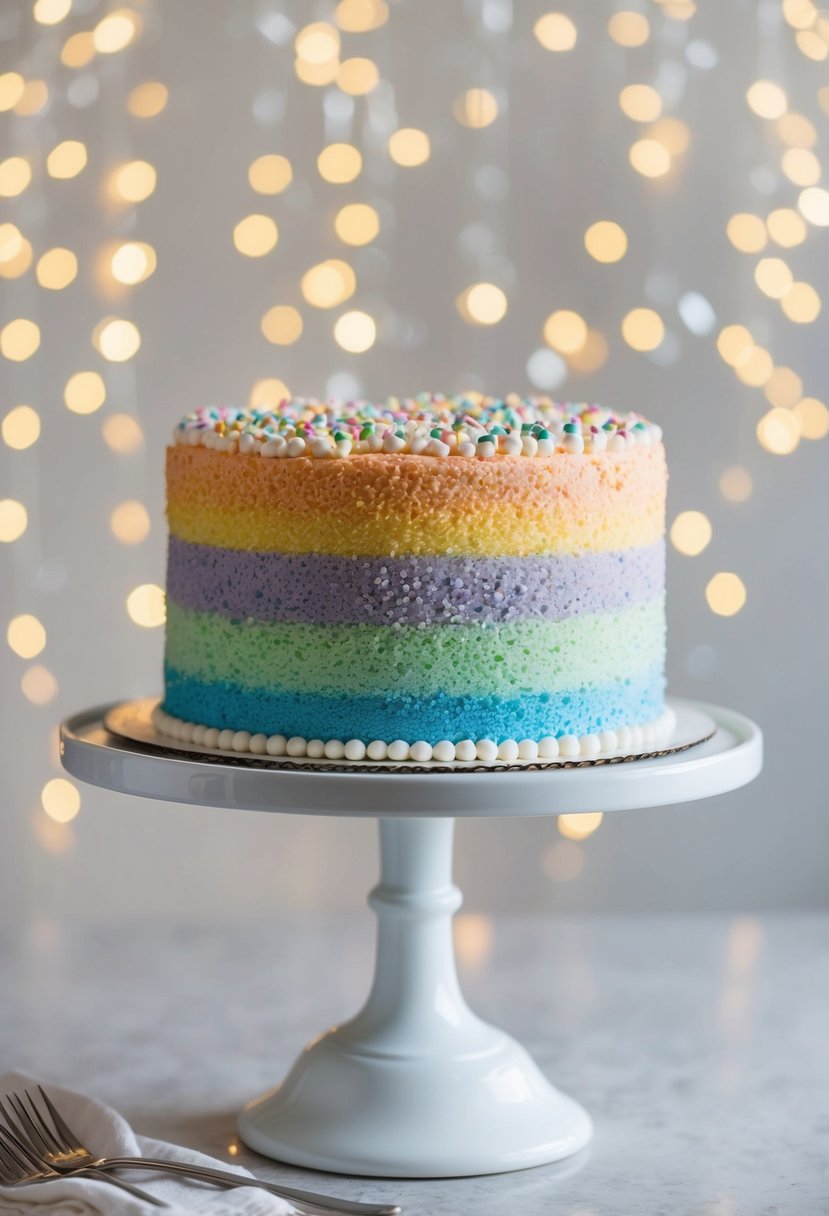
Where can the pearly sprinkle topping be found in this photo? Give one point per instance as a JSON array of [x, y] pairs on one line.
[[430, 424]]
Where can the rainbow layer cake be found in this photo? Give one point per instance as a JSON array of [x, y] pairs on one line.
[[429, 578]]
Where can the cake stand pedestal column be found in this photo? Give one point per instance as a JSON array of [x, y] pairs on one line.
[[416, 1084]]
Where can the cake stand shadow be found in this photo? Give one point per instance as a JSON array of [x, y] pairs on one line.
[[415, 1085]]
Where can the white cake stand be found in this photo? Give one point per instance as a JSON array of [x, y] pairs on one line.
[[416, 1085]]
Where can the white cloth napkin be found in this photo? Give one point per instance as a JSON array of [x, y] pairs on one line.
[[105, 1132]]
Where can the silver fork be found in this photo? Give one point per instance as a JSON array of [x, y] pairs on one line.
[[18, 1166], [73, 1155]]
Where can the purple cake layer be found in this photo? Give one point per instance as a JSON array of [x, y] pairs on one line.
[[327, 590]]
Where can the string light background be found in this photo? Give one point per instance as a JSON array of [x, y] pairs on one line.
[[208, 203]]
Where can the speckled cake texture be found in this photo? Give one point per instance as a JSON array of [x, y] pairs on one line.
[[428, 570]]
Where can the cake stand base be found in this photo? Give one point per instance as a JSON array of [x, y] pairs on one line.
[[415, 1085]]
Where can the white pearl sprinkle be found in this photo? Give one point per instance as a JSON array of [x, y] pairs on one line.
[[226, 740], [420, 751], [247, 444], [315, 749], [295, 446], [211, 737], [295, 746], [276, 745], [548, 748], [241, 740], [508, 750], [465, 750], [355, 749], [528, 749], [273, 447], [198, 734], [486, 749], [568, 746], [466, 449], [623, 738], [608, 740], [377, 750], [443, 751], [335, 749], [589, 745], [258, 745], [398, 750]]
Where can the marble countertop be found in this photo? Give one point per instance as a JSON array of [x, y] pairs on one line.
[[699, 1045]]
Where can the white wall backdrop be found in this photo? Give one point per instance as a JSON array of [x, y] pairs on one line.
[[699, 130]]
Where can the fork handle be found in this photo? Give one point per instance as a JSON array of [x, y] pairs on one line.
[[103, 1176], [327, 1203]]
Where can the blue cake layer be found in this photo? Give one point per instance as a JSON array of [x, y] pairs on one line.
[[581, 711]]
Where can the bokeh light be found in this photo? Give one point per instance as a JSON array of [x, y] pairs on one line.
[[19, 339], [725, 593], [34, 98], [786, 227], [255, 235], [773, 277], [270, 174], [736, 484], [78, 50], [650, 158], [38, 685], [56, 269], [812, 418], [813, 203], [476, 108], [282, 325], [26, 636], [643, 329], [317, 43], [360, 16], [12, 85], [84, 392], [145, 606], [357, 76], [629, 29], [328, 283], [60, 800], [133, 262], [14, 520], [801, 303], [355, 331], [409, 147], [129, 522], [767, 99], [746, 232], [784, 387], [606, 241], [579, 826], [640, 102], [66, 159], [778, 432], [591, 355], [116, 339], [357, 224], [801, 166], [482, 304], [147, 100], [21, 427], [796, 130], [268, 393], [691, 533], [122, 434], [556, 32], [15, 175], [756, 367], [116, 31], [133, 182], [339, 163], [565, 331], [735, 344]]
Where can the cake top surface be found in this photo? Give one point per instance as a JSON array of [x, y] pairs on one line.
[[429, 424]]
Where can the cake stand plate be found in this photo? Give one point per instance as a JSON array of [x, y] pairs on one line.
[[415, 1085]]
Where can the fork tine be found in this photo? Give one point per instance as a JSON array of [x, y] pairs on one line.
[[70, 1140], [12, 1132], [46, 1130], [30, 1131], [18, 1153], [9, 1168]]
